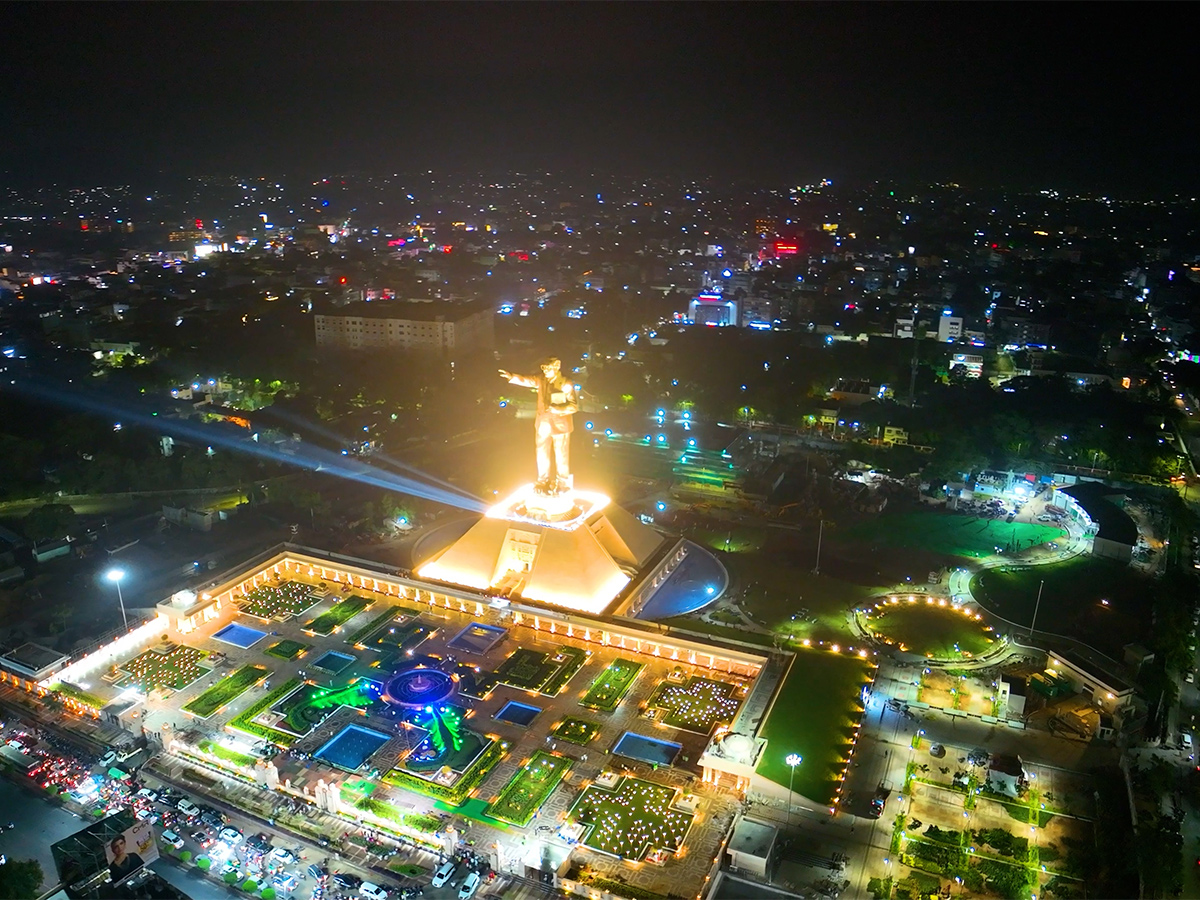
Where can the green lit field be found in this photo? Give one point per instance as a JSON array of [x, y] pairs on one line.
[[814, 716], [930, 630], [611, 684], [949, 533], [527, 790], [631, 820]]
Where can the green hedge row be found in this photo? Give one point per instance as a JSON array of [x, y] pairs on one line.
[[78, 694], [227, 690], [559, 679], [456, 793], [244, 724]]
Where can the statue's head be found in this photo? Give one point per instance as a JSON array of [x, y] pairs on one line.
[[551, 366]]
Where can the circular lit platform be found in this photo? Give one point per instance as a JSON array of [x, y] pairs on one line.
[[418, 686]]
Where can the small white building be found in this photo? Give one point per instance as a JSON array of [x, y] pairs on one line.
[[752, 846]]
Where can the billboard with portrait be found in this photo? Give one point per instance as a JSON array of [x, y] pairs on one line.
[[129, 850]]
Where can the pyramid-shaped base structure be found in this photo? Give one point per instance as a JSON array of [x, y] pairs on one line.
[[576, 550]]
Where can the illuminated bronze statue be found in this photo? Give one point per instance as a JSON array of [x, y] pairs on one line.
[[556, 404]]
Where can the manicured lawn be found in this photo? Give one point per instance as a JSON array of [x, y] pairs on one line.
[[576, 731], [286, 649], [772, 591], [374, 625], [312, 704], [631, 820], [696, 706], [278, 601], [525, 669], [931, 630], [569, 661], [950, 533], [1071, 600], [814, 716], [340, 614], [527, 790], [244, 721], [175, 669], [403, 635], [611, 684], [225, 690], [734, 539]]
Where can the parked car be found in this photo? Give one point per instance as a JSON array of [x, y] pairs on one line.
[[283, 855], [202, 838], [148, 794], [172, 839], [108, 758], [318, 873], [444, 873], [347, 881], [469, 886], [372, 891], [231, 836]]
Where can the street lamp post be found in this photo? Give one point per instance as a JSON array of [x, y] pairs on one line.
[[1036, 605], [793, 760], [820, 535], [115, 576]]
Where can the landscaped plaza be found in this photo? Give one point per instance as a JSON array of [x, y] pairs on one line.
[[421, 707]]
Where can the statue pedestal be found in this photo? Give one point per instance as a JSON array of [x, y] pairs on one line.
[[551, 507]]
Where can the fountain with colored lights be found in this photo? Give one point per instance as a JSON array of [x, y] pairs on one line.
[[418, 684]]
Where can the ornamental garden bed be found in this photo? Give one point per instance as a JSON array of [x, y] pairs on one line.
[[451, 794], [697, 705], [286, 649], [244, 722], [279, 601], [576, 731], [632, 819], [529, 788], [340, 614], [226, 690], [174, 668], [612, 684]]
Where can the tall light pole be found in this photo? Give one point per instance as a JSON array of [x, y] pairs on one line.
[[820, 535], [793, 760], [1036, 604], [115, 576]]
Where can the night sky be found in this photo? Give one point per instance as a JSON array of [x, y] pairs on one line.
[[1074, 96]]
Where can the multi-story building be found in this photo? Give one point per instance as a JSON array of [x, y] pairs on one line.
[[950, 328], [438, 326]]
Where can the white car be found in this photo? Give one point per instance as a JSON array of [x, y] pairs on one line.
[[283, 855], [171, 838], [108, 758], [230, 836], [150, 795], [469, 886], [147, 815], [372, 891], [188, 808], [444, 873]]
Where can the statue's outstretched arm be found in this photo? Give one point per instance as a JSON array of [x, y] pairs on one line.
[[528, 381]]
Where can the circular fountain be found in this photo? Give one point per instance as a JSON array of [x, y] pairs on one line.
[[418, 684]]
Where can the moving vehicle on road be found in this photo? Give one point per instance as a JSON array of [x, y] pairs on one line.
[[469, 886], [347, 881], [188, 808]]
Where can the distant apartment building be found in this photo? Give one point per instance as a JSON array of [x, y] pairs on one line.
[[437, 327], [950, 328]]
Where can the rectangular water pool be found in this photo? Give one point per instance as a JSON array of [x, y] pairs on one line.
[[334, 662], [517, 713], [647, 750], [351, 747], [239, 635]]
